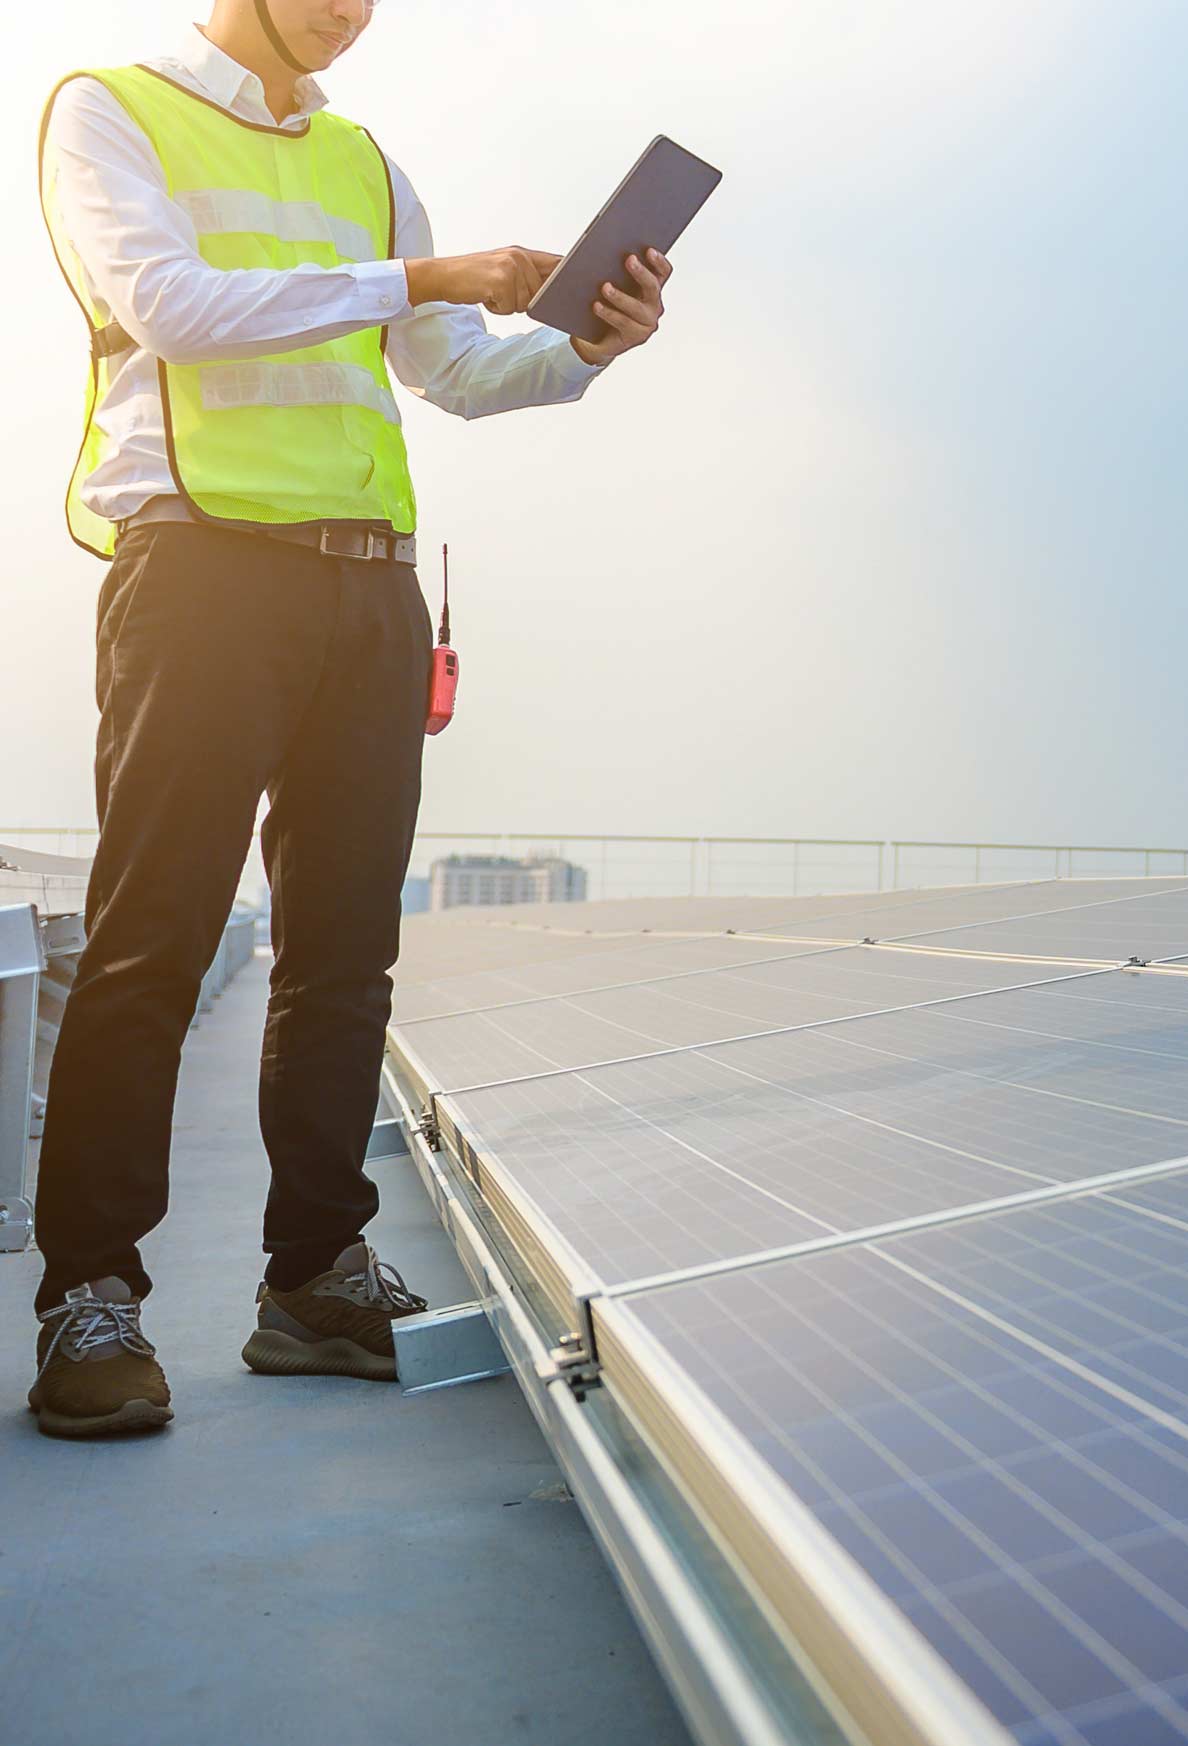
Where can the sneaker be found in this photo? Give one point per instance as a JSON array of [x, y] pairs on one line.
[[339, 1324], [97, 1373]]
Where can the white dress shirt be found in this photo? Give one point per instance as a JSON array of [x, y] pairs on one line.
[[139, 252]]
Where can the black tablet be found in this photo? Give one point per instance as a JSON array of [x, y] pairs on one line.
[[662, 191]]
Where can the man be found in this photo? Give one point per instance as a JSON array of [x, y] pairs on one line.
[[246, 262]]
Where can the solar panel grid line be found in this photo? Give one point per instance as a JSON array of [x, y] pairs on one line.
[[527, 986], [607, 987], [1096, 922], [1151, 1212], [1069, 909], [1135, 1299], [1170, 1422], [1140, 979], [1020, 1572], [1053, 1192], [1147, 929], [903, 1132], [1063, 1037], [926, 895], [1139, 1275], [873, 1667], [974, 955], [770, 1031], [990, 1079]]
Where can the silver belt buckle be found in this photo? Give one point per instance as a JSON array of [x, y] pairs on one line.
[[329, 551]]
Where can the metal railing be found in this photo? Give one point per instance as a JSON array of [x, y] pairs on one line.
[[41, 938], [997, 862], [723, 866]]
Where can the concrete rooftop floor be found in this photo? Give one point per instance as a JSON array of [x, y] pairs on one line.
[[302, 1559]]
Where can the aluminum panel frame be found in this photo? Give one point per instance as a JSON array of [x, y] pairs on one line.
[[704, 1663]]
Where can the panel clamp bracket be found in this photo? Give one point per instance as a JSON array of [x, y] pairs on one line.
[[428, 1127], [575, 1365]]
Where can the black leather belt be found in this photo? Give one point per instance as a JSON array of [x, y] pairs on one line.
[[336, 539]]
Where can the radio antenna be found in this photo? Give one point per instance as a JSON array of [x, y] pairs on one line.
[[443, 635]]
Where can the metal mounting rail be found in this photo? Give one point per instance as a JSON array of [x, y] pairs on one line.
[[21, 965]]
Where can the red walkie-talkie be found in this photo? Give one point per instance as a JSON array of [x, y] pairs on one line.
[[443, 680]]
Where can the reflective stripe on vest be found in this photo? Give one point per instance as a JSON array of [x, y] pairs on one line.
[[324, 384], [309, 434], [214, 211]]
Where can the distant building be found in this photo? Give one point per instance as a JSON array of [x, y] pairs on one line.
[[473, 879], [414, 897]]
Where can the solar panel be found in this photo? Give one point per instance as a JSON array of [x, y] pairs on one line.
[[452, 960], [688, 1007], [1143, 927], [698, 1156], [1067, 917], [610, 962], [989, 1419], [799, 1185]]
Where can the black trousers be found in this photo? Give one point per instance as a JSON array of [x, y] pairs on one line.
[[229, 665]]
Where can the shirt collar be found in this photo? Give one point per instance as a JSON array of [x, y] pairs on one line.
[[223, 78]]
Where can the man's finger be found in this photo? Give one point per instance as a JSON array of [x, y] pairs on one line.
[[646, 277], [635, 331], [633, 306]]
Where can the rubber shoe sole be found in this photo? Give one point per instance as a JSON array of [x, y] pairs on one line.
[[133, 1415], [271, 1353]]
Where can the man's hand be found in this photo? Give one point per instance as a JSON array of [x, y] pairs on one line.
[[503, 280], [631, 319]]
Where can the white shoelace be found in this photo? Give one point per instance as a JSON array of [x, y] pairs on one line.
[[95, 1322], [385, 1287]]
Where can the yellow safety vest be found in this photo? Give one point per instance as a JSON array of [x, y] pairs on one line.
[[311, 434]]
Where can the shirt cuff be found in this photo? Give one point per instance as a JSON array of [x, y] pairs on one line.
[[383, 290], [571, 366]]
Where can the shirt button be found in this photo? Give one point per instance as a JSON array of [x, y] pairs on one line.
[[386, 302], [307, 320]]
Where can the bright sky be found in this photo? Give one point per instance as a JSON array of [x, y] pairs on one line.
[[883, 535]]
